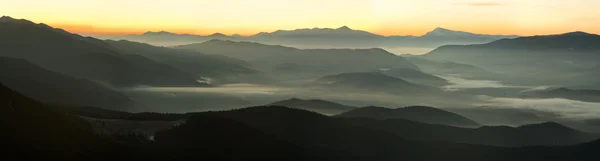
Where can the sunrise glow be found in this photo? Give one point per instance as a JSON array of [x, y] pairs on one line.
[[247, 17]]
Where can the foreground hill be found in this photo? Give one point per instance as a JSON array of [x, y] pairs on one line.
[[320, 106], [86, 57], [372, 142], [572, 94], [34, 131], [416, 113], [52, 87]]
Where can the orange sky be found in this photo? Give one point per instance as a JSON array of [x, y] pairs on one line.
[[247, 17]]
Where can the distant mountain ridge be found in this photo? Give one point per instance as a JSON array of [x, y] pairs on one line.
[[79, 56], [342, 37], [447, 33]]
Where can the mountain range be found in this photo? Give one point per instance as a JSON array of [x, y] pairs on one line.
[[370, 82], [287, 62], [219, 69], [342, 37], [59, 92], [549, 59], [415, 76], [586, 95]]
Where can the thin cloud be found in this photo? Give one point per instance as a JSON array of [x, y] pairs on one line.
[[563, 108], [480, 4]]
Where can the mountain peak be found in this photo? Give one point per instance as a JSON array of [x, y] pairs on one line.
[[218, 34], [577, 33], [545, 125], [6, 17], [13, 20], [344, 28], [419, 108], [440, 29], [158, 33], [294, 99]]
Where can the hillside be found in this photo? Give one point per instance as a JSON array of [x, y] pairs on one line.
[[547, 59], [419, 114], [320, 106], [46, 134], [51, 87], [63, 52], [341, 37], [220, 69], [415, 76]]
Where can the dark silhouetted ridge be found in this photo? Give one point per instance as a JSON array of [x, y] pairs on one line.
[[86, 57], [315, 105], [344, 28], [369, 81], [52, 87], [414, 113]]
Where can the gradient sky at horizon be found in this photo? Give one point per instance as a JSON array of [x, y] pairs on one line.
[[247, 17]]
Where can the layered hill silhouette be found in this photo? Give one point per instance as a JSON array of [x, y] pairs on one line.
[[453, 68], [51, 87], [342, 37], [248, 134], [415, 113], [546, 59], [227, 139], [371, 82], [375, 141], [543, 134], [219, 68], [86, 57], [312, 62], [442, 34], [586, 95], [415, 76], [316, 105], [35, 131]]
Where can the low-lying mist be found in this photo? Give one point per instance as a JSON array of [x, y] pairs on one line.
[[488, 102]]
